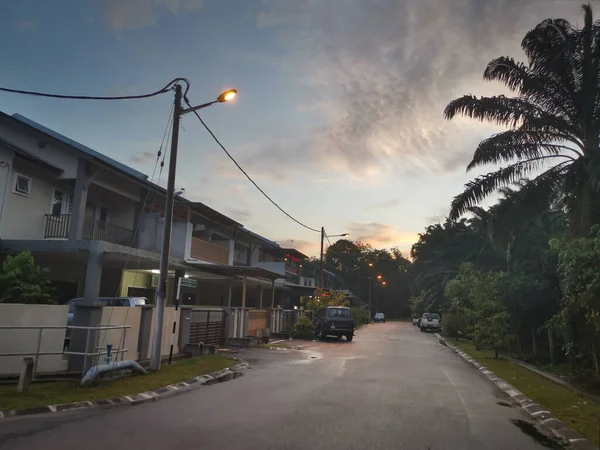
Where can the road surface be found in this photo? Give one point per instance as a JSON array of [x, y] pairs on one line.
[[391, 388]]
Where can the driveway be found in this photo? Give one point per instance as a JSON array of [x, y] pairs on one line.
[[391, 388]]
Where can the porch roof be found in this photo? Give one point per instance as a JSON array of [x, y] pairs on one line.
[[279, 251], [231, 271]]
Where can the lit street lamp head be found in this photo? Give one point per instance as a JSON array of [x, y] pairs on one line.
[[227, 95], [379, 277]]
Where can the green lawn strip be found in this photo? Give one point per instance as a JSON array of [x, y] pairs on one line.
[[579, 412], [59, 392], [275, 346]]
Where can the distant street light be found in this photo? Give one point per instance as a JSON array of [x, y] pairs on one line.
[[178, 111]]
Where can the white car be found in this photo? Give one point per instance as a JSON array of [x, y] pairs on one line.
[[430, 321]]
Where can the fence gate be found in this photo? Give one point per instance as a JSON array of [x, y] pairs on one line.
[[288, 321], [207, 326]]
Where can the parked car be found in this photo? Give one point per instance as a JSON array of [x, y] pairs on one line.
[[105, 301], [430, 321], [416, 321], [335, 321], [379, 317]]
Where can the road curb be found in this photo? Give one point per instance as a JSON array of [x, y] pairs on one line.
[[218, 376], [535, 411]]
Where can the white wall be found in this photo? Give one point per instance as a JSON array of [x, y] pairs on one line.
[[23, 217], [13, 341], [151, 231], [28, 141], [121, 316], [277, 267], [166, 332]]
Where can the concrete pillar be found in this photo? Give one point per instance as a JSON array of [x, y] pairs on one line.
[[260, 298], [273, 294], [138, 214], [93, 274], [85, 176], [85, 316], [244, 289], [243, 320], [145, 328], [231, 250]]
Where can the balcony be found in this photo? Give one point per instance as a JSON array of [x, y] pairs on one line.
[[206, 251], [58, 227]]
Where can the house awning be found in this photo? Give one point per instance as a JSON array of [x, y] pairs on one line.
[[232, 271]]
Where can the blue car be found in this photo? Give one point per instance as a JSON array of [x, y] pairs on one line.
[[379, 317]]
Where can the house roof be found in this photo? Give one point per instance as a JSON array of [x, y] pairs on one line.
[[88, 151], [258, 236], [23, 154], [295, 253], [253, 272]]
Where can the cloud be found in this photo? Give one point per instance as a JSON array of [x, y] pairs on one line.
[[132, 14], [382, 71], [239, 214], [391, 203], [27, 25], [381, 235], [143, 157]]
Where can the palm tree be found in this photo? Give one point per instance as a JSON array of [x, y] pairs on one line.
[[553, 124]]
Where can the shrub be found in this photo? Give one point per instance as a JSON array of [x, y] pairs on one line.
[[454, 325], [304, 329], [360, 315], [22, 281]]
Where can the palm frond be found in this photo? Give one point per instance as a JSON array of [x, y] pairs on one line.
[[516, 144], [542, 90], [480, 188]]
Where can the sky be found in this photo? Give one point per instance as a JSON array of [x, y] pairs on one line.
[[339, 116]]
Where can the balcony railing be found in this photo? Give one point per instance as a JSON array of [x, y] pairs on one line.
[[206, 251], [58, 227]]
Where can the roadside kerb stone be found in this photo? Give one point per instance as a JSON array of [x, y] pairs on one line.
[[230, 373], [535, 411]]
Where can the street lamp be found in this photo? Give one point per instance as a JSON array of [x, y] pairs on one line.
[[379, 277], [321, 260], [178, 111]]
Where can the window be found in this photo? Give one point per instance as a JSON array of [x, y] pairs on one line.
[[339, 312], [22, 185]]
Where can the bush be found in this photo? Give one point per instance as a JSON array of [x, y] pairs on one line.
[[361, 316], [22, 281], [454, 325], [304, 329]]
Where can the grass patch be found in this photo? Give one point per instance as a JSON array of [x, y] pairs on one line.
[[275, 346], [58, 392], [579, 412]]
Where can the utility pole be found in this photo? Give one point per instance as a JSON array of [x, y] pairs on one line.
[[321, 261], [166, 245], [370, 299]]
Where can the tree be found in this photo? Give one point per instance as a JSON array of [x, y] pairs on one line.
[[553, 124], [22, 281], [475, 296], [579, 318], [438, 255]]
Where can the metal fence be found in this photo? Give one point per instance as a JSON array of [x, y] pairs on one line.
[[58, 226], [98, 351]]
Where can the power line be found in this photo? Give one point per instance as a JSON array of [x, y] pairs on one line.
[[246, 174], [167, 88]]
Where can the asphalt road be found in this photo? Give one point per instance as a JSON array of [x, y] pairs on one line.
[[391, 388]]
